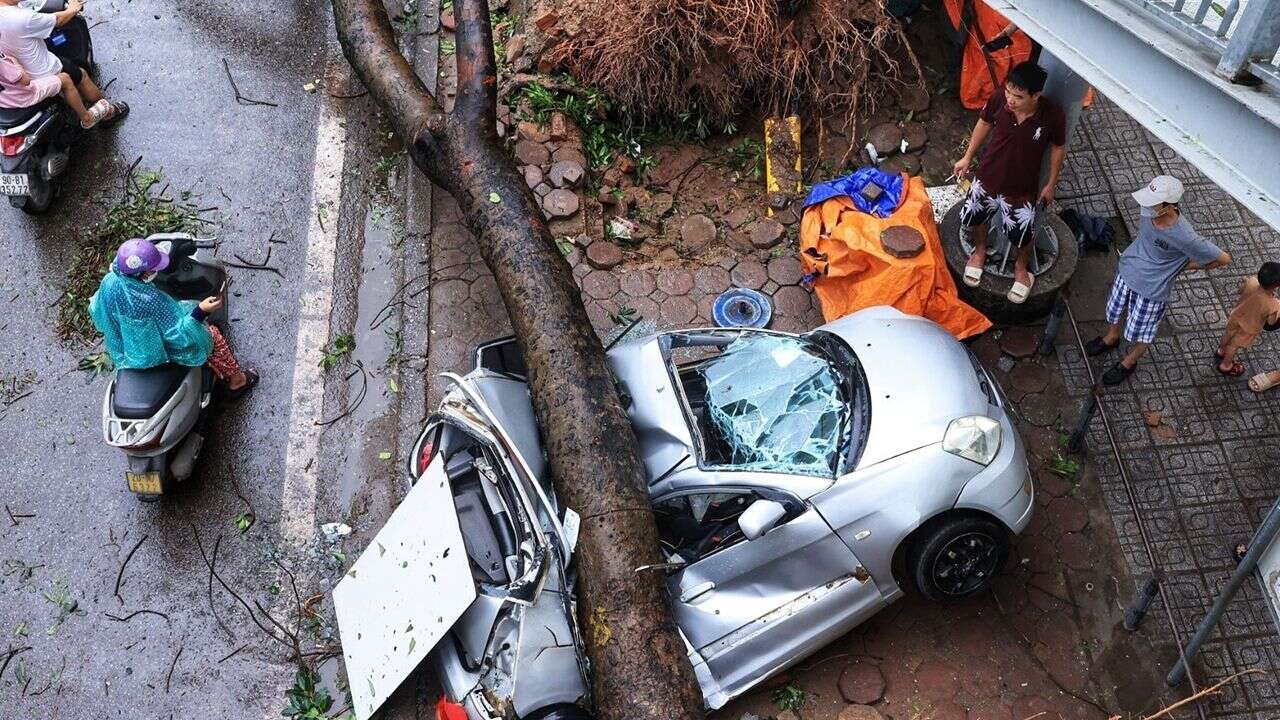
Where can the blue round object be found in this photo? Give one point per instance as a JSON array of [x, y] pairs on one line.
[[742, 308]]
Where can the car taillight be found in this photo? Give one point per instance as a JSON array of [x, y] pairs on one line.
[[12, 145], [426, 451], [446, 710]]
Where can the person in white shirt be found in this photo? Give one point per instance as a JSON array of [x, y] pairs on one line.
[[22, 36]]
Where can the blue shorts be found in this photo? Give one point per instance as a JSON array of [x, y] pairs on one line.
[[1144, 315]]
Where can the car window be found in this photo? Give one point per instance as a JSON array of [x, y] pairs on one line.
[[694, 526], [770, 403]]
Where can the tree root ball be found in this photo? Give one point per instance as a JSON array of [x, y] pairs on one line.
[[716, 57]]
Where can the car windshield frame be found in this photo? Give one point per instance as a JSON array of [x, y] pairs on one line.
[[851, 388]]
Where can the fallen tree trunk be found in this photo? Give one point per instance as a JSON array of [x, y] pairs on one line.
[[639, 664]]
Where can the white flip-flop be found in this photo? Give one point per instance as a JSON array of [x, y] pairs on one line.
[[1019, 293], [1262, 382], [972, 275]]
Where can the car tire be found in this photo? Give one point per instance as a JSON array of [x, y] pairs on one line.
[[991, 296], [957, 556], [561, 711]]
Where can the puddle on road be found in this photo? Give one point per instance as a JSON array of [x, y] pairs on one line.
[[377, 343]]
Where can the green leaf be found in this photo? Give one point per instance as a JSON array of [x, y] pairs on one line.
[[384, 455], [392, 385], [495, 198], [21, 629]]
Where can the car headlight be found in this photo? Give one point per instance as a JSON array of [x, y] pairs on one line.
[[975, 438]]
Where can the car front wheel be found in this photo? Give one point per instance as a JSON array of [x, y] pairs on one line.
[[956, 557]]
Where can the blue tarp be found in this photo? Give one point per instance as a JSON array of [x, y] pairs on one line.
[[851, 186]]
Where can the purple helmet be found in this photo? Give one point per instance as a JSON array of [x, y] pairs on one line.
[[137, 256]]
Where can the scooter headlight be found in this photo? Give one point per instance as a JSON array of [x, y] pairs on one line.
[[975, 438]]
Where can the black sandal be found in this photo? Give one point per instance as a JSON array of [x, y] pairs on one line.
[[251, 379], [121, 111], [1117, 374], [1097, 346]]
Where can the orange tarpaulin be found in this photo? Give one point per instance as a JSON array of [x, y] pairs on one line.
[[975, 75], [840, 246]]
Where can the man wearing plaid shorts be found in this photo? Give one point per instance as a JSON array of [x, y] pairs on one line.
[[1165, 246]]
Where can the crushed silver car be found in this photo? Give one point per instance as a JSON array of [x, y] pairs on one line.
[[798, 481]]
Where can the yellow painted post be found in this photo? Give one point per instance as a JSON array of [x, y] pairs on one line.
[[782, 155]]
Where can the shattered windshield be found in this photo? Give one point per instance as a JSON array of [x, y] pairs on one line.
[[771, 403]]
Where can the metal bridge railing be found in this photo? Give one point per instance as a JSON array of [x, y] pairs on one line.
[[1244, 34]]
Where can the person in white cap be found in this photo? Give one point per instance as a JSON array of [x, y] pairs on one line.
[[1166, 245]]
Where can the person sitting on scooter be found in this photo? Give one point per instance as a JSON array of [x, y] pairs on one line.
[[22, 36], [18, 90], [143, 327]]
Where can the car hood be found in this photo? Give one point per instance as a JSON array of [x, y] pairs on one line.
[[920, 379]]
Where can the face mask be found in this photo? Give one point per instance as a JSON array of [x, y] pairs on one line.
[[1151, 212]]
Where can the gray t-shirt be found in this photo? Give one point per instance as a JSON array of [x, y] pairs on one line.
[[1157, 255]]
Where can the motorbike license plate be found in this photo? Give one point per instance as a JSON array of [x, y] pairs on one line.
[[13, 184], [144, 483]]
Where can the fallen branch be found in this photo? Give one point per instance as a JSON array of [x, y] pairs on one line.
[[209, 590], [234, 594], [1203, 693], [231, 654], [13, 516], [123, 565], [241, 99], [9, 655]]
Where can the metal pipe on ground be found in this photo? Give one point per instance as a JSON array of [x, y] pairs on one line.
[[1146, 594], [1261, 540]]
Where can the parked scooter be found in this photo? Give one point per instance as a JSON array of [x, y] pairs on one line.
[[158, 416], [36, 141]]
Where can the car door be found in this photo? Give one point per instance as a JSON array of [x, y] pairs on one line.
[[751, 607]]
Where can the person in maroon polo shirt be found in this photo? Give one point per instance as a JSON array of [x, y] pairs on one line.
[[1018, 125]]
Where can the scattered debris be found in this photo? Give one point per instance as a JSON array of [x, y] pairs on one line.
[[1151, 418], [334, 531], [241, 99], [120, 574], [789, 697]]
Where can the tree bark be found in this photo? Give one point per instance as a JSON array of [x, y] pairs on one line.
[[640, 669]]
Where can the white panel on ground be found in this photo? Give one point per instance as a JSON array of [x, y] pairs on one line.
[[405, 592]]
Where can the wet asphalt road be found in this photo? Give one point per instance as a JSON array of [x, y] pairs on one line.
[[255, 163]]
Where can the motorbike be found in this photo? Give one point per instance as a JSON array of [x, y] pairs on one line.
[[159, 416], [36, 141]]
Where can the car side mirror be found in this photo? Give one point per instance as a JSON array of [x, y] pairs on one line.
[[760, 518]]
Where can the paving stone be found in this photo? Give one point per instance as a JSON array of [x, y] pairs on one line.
[[572, 227], [738, 216], [566, 174], [1034, 706], [1019, 342], [899, 164], [531, 153], [532, 132], [675, 281], [711, 279], [678, 310], [1069, 514], [749, 274], [861, 683], [766, 233], [636, 283], [1077, 551], [886, 138], [560, 203], [936, 680], [770, 287], [914, 99], [1029, 377], [859, 712], [947, 711], [1005, 363], [569, 153], [541, 189], [603, 254], [1051, 484], [697, 233], [902, 241], [655, 205], [532, 175], [785, 270], [1041, 409], [915, 134], [791, 301], [788, 216], [600, 285]]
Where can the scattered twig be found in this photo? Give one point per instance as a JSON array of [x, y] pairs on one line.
[[120, 574], [212, 608], [252, 615], [1213, 690], [241, 99], [103, 89], [96, 24], [13, 516], [9, 655], [172, 665], [134, 614], [231, 654], [360, 396]]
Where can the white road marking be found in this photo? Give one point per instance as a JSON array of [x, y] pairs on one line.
[[298, 499]]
